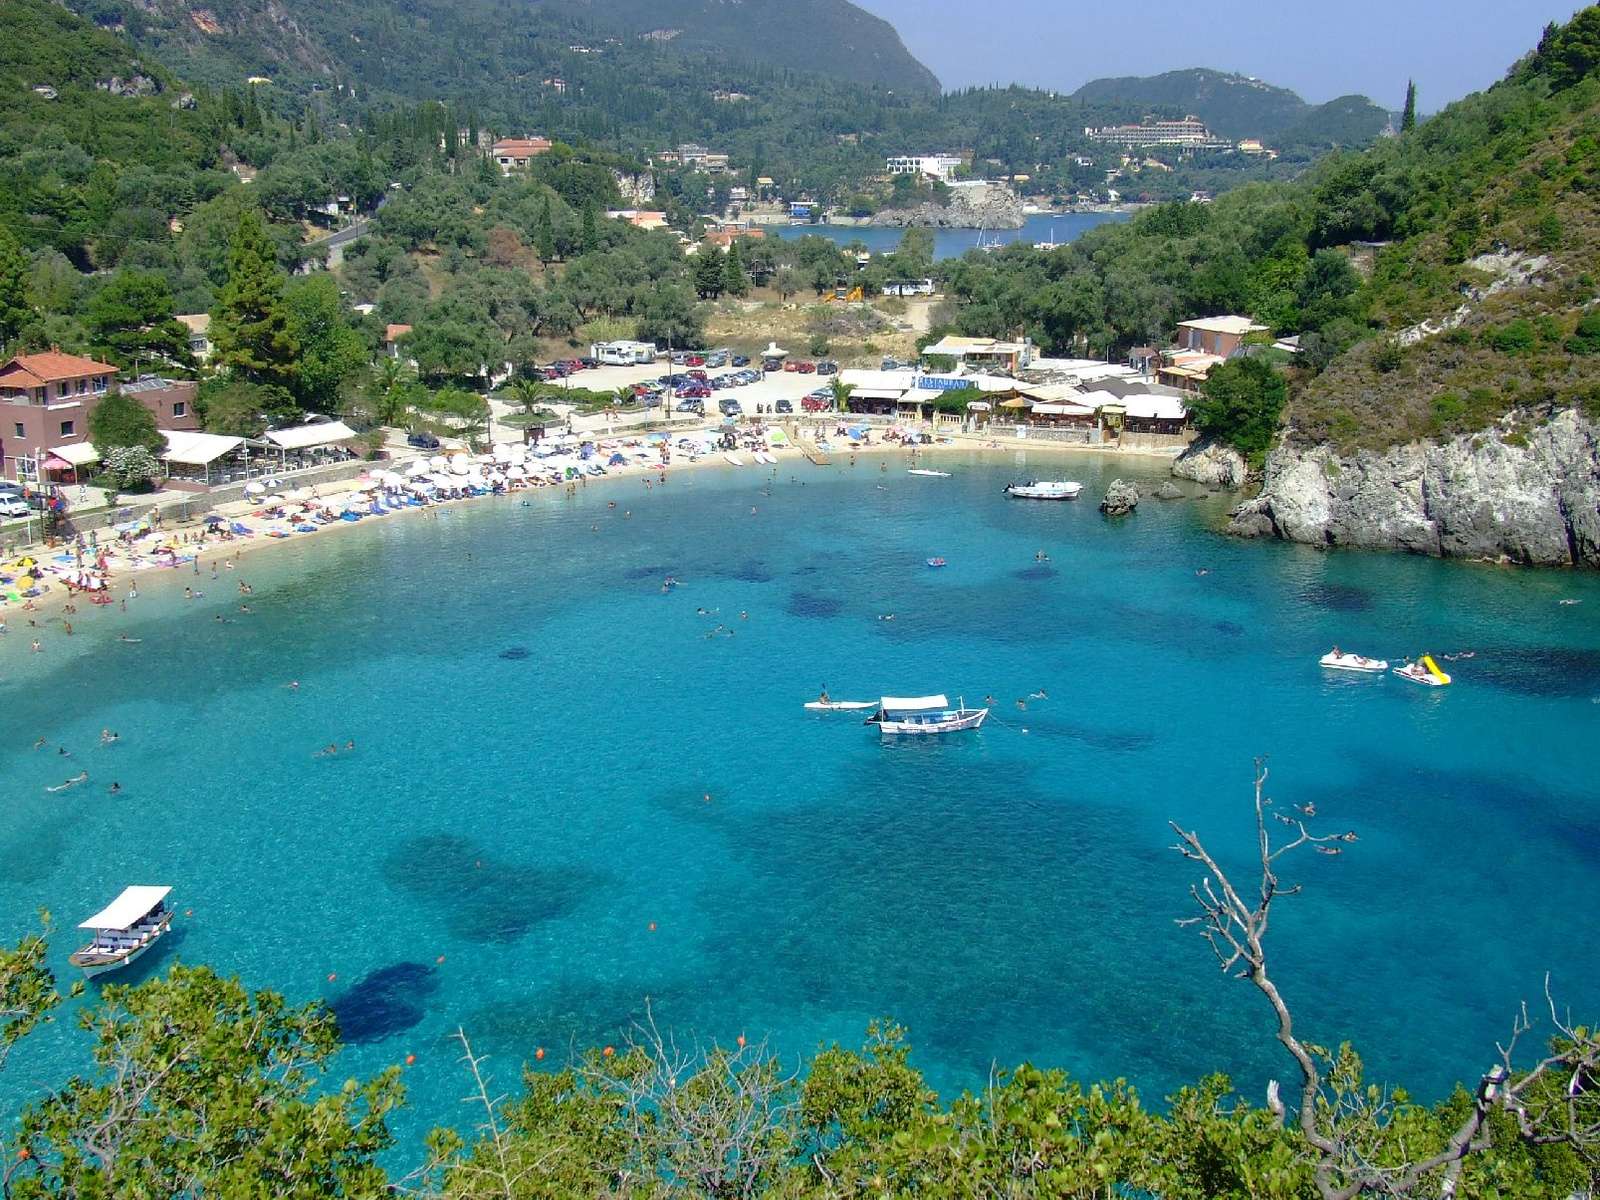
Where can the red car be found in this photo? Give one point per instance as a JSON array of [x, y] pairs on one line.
[[694, 360], [694, 391], [811, 404], [699, 376], [791, 365], [807, 368]]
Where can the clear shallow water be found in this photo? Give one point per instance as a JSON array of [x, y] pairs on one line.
[[537, 726], [953, 243]]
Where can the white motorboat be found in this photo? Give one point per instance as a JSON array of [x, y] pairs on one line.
[[1334, 660], [1056, 489], [924, 715], [733, 458], [124, 930], [840, 705], [929, 473], [1424, 671]]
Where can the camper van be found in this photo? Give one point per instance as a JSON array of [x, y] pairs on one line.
[[623, 354]]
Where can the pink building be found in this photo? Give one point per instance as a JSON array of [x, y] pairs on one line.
[[45, 401]]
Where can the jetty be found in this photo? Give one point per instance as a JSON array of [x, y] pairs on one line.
[[809, 448]]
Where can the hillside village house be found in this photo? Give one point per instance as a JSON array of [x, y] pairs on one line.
[[513, 154], [933, 166], [1200, 345], [45, 400], [199, 327]]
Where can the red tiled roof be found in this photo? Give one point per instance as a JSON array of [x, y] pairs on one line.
[[36, 370], [396, 331], [512, 147]]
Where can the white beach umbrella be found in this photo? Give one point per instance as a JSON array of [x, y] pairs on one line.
[[418, 467], [438, 463]]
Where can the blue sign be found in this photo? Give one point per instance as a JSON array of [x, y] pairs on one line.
[[942, 383]]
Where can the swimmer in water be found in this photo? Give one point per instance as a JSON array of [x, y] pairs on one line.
[[73, 782], [114, 788]]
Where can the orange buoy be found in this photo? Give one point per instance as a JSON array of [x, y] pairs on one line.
[[652, 926], [410, 1058], [539, 1053], [188, 912], [24, 1153], [609, 1051], [741, 1039], [332, 975], [439, 959]]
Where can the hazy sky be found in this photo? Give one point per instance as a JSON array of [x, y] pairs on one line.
[[1319, 49]]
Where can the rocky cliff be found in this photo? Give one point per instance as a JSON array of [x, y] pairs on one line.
[[969, 208], [1529, 497]]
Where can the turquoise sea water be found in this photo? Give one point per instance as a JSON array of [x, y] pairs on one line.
[[953, 243], [537, 727]]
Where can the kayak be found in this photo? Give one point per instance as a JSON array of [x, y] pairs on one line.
[[840, 705]]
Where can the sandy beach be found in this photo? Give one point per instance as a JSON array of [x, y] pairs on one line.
[[206, 555]]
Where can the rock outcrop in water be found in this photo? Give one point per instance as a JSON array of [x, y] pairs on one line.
[[969, 208], [1213, 464], [1530, 497], [1121, 498]]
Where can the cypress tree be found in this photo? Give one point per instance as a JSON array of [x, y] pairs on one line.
[[734, 279], [590, 235], [545, 243], [1408, 119]]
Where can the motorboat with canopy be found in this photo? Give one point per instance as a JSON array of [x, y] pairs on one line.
[[124, 930], [924, 715]]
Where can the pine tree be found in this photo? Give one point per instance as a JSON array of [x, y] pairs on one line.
[[15, 310], [250, 323], [545, 239], [1408, 119], [591, 235], [708, 268]]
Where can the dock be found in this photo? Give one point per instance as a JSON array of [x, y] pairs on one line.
[[808, 448]]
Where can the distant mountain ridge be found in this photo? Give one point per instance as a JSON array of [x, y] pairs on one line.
[[412, 49], [1238, 106]]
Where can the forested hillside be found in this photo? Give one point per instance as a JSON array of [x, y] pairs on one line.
[[1436, 281]]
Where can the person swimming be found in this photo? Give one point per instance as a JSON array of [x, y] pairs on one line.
[[73, 782]]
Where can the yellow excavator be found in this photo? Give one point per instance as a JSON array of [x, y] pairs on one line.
[[855, 295]]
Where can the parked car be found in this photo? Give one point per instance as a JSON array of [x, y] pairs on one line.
[[589, 364], [741, 360], [730, 408], [13, 506], [694, 360], [772, 364], [827, 367], [791, 366], [812, 404], [698, 375], [694, 391], [784, 406], [807, 368], [717, 358], [423, 440], [692, 406]]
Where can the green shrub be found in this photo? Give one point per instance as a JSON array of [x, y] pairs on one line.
[[1515, 338], [1586, 338]]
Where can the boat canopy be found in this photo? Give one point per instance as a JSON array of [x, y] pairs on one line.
[[127, 909], [912, 703]]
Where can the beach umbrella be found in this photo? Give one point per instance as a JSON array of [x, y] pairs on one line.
[[438, 463], [213, 519], [255, 487], [418, 467]]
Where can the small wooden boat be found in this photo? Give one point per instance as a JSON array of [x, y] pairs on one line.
[[929, 473], [936, 562], [1335, 661], [840, 705], [1424, 671], [1053, 489], [924, 715], [124, 930]]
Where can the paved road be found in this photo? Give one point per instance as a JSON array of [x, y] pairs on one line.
[[335, 243]]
